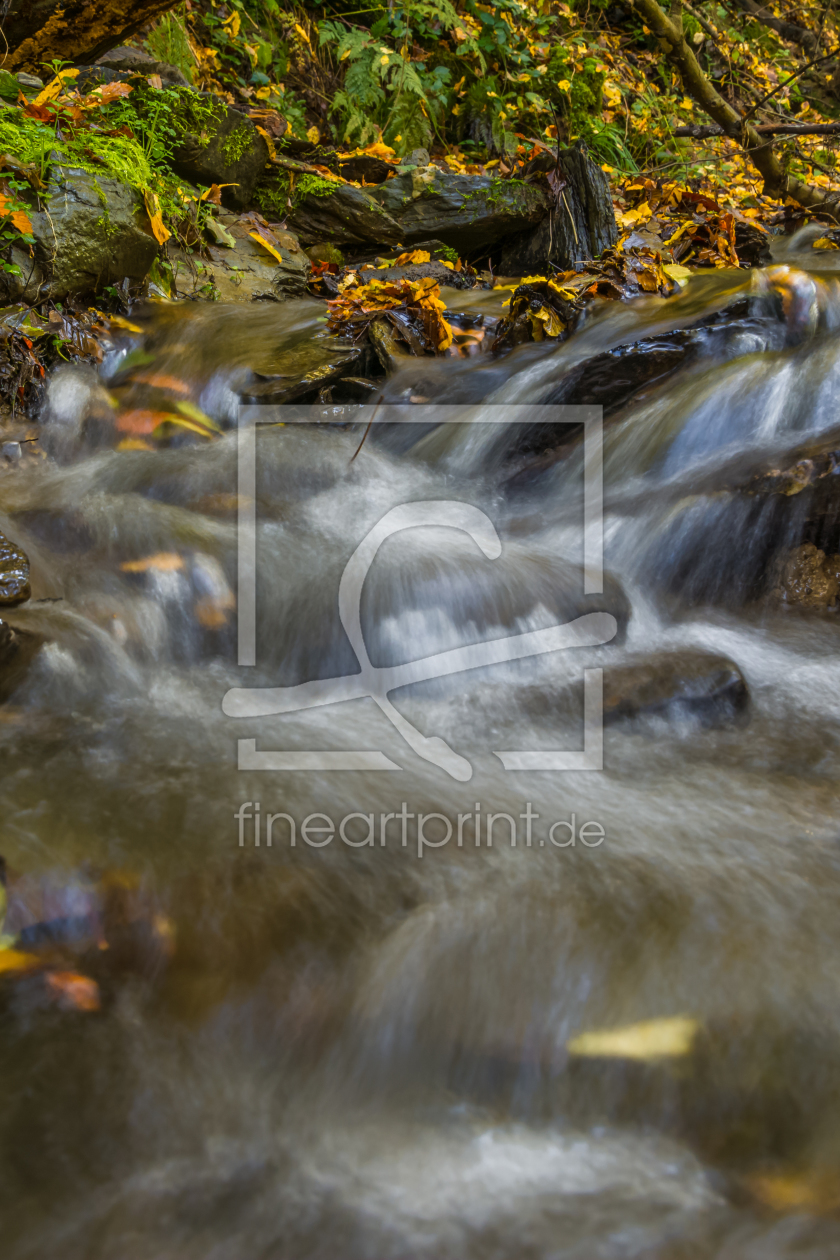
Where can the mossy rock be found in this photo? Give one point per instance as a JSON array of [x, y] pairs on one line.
[[219, 145], [470, 212], [93, 232]]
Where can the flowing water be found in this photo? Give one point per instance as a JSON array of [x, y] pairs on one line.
[[363, 1050]]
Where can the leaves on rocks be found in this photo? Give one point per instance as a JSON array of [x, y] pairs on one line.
[[414, 306]]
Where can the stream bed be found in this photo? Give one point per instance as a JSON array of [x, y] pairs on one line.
[[362, 1050]]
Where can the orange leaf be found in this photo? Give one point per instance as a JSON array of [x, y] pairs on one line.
[[140, 420], [160, 380], [22, 221], [255, 236], [74, 991], [112, 91], [160, 231], [14, 960], [164, 561]]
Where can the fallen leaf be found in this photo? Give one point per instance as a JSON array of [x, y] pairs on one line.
[[255, 236], [15, 961], [160, 231], [112, 92], [667, 1038], [413, 256], [73, 991], [56, 87], [163, 561]]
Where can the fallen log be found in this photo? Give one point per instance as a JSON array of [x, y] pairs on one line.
[[38, 31], [706, 130]]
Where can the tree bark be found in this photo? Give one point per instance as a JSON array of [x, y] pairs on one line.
[[702, 132], [777, 183], [37, 31]]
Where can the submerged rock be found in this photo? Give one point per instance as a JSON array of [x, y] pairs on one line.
[[17, 650], [94, 231], [14, 574], [687, 682], [305, 370], [78, 415]]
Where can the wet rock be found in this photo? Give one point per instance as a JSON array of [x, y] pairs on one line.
[[14, 574], [469, 212], [390, 351], [344, 216], [582, 226], [137, 61], [245, 271], [687, 682], [78, 415], [225, 148], [17, 651], [305, 370], [809, 579], [94, 232]]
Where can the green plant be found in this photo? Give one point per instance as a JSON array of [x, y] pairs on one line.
[[168, 41]]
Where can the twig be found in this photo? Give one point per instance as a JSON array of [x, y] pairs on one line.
[[367, 430], [704, 131]]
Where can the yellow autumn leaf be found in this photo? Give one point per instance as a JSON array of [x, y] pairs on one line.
[[300, 30], [563, 85], [15, 960], [823, 242], [56, 87], [232, 25], [313, 135], [159, 229], [668, 1038], [255, 236]]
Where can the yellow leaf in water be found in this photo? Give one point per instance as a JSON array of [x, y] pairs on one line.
[[74, 991], [160, 231], [676, 271], [14, 961], [552, 324], [255, 236], [164, 561], [134, 444], [668, 1038], [822, 242]]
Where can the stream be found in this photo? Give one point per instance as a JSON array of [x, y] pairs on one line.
[[362, 1051]]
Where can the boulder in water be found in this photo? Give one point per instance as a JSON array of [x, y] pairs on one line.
[[808, 578], [14, 574], [95, 231], [244, 271], [687, 682]]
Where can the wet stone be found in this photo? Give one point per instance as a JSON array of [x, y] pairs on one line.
[[14, 574]]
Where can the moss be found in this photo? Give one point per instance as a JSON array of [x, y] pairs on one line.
[[315, 186], [237, 143]]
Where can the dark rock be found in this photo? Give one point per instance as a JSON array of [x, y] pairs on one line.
[[14, 574], [582, 226], [390, 351], [29, 84], [305, 370], [684, 682], [345, 216], [96, 232], [422, 271], [17, 650], [137, 61], [472, 213], [227, 149], [372, 170]]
